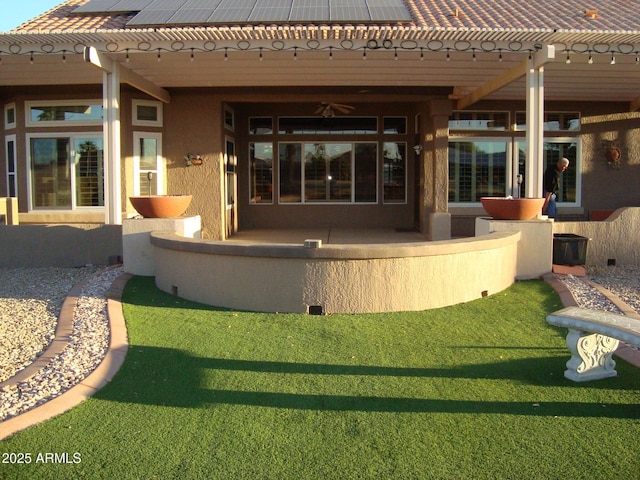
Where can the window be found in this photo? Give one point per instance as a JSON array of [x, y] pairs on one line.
[[260, 126], [10, 155], [554, 150], [333, 125], [261, 172], [229, 118], [477, 168], [328, 172], [553, 121], [395, 172], [66, 171], [148, 166], [147, 113], [230, 167], [56, 113], [479, 121], [10, 116], [395, 125]]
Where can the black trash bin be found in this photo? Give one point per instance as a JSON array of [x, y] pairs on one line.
[[569, 249]]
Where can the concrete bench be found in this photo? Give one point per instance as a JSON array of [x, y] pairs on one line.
[[593, 337]]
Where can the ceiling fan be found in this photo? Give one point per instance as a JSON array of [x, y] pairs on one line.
[[329, 109]]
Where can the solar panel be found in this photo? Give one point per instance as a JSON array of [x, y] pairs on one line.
[[191, 17], [181, 12], [151, 17]]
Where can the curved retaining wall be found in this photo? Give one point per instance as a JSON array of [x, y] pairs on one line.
[[335, 278]]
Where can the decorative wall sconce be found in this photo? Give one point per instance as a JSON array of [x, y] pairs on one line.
[[417, 149], [191, 159], [613, 155]]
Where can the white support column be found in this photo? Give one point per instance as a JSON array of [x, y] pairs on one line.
[[111, 126], [535, 130], [535, 121]]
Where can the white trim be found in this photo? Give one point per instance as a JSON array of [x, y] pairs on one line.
[[8, 139], [160, 163], [71, 136], [231, 127], [146, 123], [10, 125], [58, 103]]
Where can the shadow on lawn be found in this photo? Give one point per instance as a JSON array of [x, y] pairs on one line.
[[170, 377]]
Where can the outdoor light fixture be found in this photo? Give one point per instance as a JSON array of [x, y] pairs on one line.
[[417, 149], [568, 60]]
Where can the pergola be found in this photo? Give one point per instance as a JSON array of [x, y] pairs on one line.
[[376, 62]]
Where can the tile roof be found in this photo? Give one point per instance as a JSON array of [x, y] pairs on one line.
[[542, 15]]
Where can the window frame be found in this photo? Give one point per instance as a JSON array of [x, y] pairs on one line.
[[136, 121], [12, 176], [508, 140], [160, 163], [352, 200], [7, 124], [71, 136], [62, 123]]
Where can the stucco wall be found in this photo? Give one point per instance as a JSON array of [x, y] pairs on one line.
[[59, 245], [337, 278], [616, 238], [193, 124]]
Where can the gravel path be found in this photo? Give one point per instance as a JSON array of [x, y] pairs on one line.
[[30, 301]]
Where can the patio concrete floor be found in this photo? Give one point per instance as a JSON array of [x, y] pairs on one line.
[[327, 235]]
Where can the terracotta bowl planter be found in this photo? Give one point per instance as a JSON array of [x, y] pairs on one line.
[[161, 206], [502, 208]]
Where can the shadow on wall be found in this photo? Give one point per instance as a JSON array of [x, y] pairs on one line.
[[63, 246]]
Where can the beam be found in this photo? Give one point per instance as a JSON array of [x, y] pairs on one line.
[[104, 63], [540, 58]]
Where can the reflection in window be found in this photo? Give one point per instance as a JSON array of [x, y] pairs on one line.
[[395, 125], [290, 164], [482, 121], [333, 125], [477, 169], [60, 182], [329, 172], [260, 126], [553, 152], [395, 172], [66, 113], [89, 172], [366, 172], [261, 172], [10, 146], [553, 121]]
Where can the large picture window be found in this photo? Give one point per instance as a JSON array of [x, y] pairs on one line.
[[477, 168], [67, 171], [327, 172]]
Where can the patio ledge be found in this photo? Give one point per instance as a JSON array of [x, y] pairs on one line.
[[172, 241]]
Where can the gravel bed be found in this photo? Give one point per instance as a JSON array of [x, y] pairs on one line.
[[89, 339], [30, 301], [623, 282]]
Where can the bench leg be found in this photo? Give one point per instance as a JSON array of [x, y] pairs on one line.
[[591, 356]]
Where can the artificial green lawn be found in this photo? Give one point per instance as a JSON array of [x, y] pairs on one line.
[[470, 391]]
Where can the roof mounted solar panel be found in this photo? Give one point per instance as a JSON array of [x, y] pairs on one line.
[[151, 17], [113, 6], [191, 17], [204, 12]]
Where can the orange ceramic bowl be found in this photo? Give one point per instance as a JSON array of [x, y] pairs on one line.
[[502, 208], [161, 206]]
